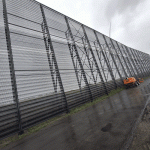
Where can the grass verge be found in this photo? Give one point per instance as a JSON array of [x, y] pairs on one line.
[[40, 126], [146, 77]]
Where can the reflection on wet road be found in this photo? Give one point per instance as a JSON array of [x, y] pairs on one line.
[[104, 126]]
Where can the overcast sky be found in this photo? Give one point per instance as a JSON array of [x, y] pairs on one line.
[[130, 19]]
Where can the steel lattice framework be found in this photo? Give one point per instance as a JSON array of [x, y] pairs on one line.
[[50, 63]]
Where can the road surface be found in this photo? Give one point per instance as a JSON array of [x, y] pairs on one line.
[[104, 126]]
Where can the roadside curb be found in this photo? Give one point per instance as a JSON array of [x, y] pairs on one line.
[[146, 108]]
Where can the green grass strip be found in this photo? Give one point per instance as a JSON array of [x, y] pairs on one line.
[[146, 78]]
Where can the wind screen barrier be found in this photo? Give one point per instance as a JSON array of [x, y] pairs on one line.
[[50, 63]]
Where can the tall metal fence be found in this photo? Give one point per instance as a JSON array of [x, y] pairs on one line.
[[50, 63]]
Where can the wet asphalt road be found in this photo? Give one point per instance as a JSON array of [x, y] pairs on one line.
[[104, 126]]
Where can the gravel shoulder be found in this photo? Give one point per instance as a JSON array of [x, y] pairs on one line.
[[141, 140]]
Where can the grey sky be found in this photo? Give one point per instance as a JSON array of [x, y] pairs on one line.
[[130, 19]]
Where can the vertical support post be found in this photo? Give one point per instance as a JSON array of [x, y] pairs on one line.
[[48, 57], [135, 68], [72, 57], [79, 60], [100, 61], [97, 68], [118, 58], [145, 71], [135, 62], [124, 59], [90, 65], [106, 60], [113, 59], [134, 74], [54, 59], [146, 62], [11, 67], [88, 60], [139, 62]]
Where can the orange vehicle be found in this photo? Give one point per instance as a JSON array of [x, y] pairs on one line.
[[140, 80], [131, 81]]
